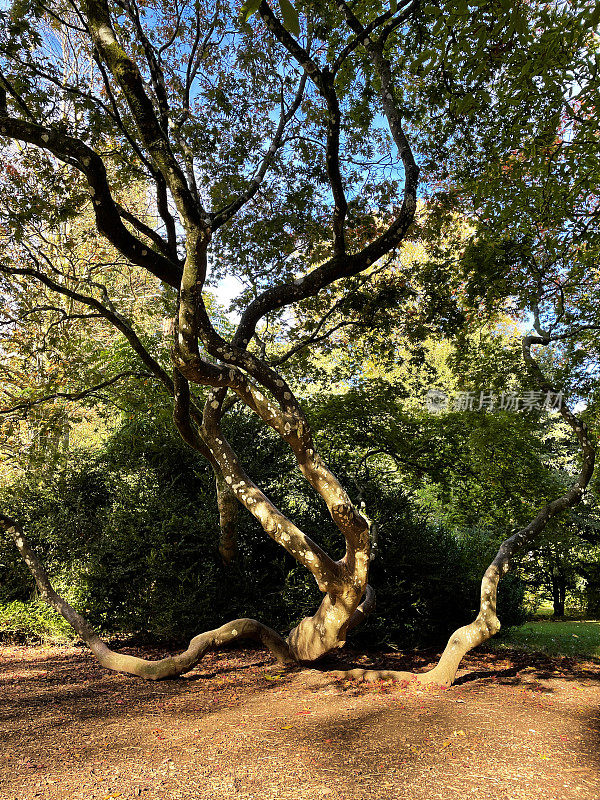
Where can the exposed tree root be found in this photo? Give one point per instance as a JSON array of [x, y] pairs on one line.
[[373, 675]]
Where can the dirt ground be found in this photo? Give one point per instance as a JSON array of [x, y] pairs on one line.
[[515, 727]]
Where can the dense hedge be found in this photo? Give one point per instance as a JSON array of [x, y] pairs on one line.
[[129, 533]]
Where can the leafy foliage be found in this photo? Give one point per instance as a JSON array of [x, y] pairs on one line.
[[33, 621], [279, 155]]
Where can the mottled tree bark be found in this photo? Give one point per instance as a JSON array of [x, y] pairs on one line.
[[231, 367], [202, 357]]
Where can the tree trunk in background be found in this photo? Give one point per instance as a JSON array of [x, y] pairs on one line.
[[559, 592], [228, 513]]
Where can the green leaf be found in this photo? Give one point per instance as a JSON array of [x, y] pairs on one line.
[[393, 6], [248, 8], [593, 20], [290, 17], [423, 56]]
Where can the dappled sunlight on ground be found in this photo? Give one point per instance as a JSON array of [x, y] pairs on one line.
[[240, 727]]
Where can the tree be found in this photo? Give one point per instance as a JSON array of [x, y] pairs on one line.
[[278, 152], [564, 570], [60, 357]]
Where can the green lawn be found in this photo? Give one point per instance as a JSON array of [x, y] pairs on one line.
[[554, 638]]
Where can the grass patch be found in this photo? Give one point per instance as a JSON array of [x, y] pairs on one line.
[[544, 610], [554, 638]]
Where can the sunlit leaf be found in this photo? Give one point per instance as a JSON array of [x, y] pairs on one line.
[[248, 8], [290, 17]]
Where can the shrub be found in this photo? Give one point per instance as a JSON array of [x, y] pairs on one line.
[[33, 621]]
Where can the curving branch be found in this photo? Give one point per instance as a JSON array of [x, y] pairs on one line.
[[73, 151], [157, 76], [324, 81], [28, 404], [342, 264], [487, 624], [315, 338], [204, 434], [169, 667], [118, 320], [6, 85], [286, 418], [164, 247]]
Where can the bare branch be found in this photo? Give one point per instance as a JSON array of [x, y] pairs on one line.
[[324, 81], [342, 264], [140, 226], [156, 73], [108, 220], [314, 339], [80, 395]]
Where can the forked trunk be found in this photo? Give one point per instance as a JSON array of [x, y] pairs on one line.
[[326, 630]]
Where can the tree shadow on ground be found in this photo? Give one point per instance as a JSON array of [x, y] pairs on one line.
[[509, 666], [63, 714], [432, 743], [592, 723], [74, 686], [480, 675]]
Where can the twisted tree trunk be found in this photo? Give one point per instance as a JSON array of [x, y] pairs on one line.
[[204, 358], [344, 582], [285, 652], [200, 355]]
